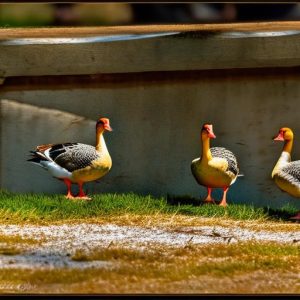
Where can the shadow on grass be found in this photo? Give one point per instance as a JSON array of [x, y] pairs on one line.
[[280, 214], [195, 206], [183, 200]]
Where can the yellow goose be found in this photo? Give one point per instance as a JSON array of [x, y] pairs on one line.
[[216, 168], [286, 173], [76, 162]]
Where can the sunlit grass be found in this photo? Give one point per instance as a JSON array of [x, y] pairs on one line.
[[38, 207], [15, 244], [9, 250], [253, 255], [16, 239]]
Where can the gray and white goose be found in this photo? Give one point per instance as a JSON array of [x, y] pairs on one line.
[[216, 168], [76, 162], [286, 173]]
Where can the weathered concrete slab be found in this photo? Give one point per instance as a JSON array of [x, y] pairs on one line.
[[163, 51]]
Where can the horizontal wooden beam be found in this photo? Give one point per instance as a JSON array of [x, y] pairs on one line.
[[15, 33], [151, 49], [150, 1]]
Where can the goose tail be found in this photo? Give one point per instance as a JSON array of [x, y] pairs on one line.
[[38, 158]]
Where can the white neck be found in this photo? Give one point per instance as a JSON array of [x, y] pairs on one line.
[[284, 159], [101, 147]]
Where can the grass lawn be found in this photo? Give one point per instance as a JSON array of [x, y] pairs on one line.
[[39, 208]]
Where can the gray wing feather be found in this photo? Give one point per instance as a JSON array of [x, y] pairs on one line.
[[76, 156], [229, 156], [291, 172]]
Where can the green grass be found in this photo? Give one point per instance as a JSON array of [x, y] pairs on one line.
[[38, 208]]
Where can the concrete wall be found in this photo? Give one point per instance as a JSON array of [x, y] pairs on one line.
[[156, 131]]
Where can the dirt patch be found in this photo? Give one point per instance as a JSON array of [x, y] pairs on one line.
[[57, 243], [257, 282]]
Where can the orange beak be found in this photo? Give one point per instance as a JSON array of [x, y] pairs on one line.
[[107, 127], [279, 137], [210, 132]]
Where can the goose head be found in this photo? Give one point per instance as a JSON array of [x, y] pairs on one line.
[[207, 131], [284, 134], [102, 125]]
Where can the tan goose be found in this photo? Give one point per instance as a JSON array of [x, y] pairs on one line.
[[286, 173], [216, 168], [76, 162]]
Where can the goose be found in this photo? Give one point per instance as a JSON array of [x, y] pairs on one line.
[[216, 168], [286, 173], [76, 162]]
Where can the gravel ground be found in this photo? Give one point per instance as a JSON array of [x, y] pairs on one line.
[[57, 243]]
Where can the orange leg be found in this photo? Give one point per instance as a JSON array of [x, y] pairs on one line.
[[209, 199], [223, 201], [81, 193], [68, 183], [297, 217]]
